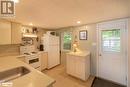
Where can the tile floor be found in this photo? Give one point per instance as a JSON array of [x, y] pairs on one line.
[[104, 83], [65, 80]]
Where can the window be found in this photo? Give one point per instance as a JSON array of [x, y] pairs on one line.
[[111, 40], [67, 41]]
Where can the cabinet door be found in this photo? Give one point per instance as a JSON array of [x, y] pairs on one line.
[[44, 61], [16, 33], [5, 32], [80, 67], [70, 65]]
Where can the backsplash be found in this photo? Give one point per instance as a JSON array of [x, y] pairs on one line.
[[9, 50]]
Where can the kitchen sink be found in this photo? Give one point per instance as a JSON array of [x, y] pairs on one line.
[[14, 73]]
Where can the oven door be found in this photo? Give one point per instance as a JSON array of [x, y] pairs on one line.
[[33, 61]]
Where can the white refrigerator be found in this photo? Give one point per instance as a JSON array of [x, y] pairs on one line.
[[52, 46]]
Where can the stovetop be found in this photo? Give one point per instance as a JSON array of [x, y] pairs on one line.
[[31, 53]]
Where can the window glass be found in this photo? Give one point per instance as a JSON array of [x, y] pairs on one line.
[[111, 40], [67, 41]]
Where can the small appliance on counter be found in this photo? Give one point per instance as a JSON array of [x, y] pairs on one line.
[[41, 47]]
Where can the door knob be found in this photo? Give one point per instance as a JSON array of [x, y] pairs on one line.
[[100, 54]]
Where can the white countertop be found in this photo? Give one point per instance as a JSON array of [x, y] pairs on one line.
[[23, 55], [85, 53], [34, 79]]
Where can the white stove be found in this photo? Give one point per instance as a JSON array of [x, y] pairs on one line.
[[31, 56]]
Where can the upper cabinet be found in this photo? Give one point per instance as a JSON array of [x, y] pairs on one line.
[[16, 33], [5, 32], [10, 33]]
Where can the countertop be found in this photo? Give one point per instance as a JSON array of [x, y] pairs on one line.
[[23, 55], [85, 53], [34, 79]]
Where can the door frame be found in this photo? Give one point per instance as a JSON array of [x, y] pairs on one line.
[[98, 48]]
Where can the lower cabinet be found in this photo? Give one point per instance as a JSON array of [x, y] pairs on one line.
[[70, 65], [78, 66], [44, 58]]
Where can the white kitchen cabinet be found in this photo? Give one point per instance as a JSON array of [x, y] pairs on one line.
[[16, 36], [44, 60], [5, 32], [70, 62], [78, 64], [10, 33]]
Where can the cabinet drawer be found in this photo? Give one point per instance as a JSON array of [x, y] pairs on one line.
[[44, 60]]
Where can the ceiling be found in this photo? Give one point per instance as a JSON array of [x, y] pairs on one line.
[[54, 14]]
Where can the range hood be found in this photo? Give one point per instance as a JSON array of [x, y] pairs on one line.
[[29, 35]]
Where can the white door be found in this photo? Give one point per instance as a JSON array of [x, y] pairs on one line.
[[112, 38]]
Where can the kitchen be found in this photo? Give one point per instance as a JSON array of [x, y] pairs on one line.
[[50, 48]]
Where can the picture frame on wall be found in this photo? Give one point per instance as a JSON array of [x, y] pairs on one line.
[[83, 35]]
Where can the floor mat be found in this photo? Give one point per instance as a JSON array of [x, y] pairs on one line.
[[103, 83]]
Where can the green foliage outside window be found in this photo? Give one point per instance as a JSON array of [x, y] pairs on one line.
[[67, 41], [111, 40], [111, 33]]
